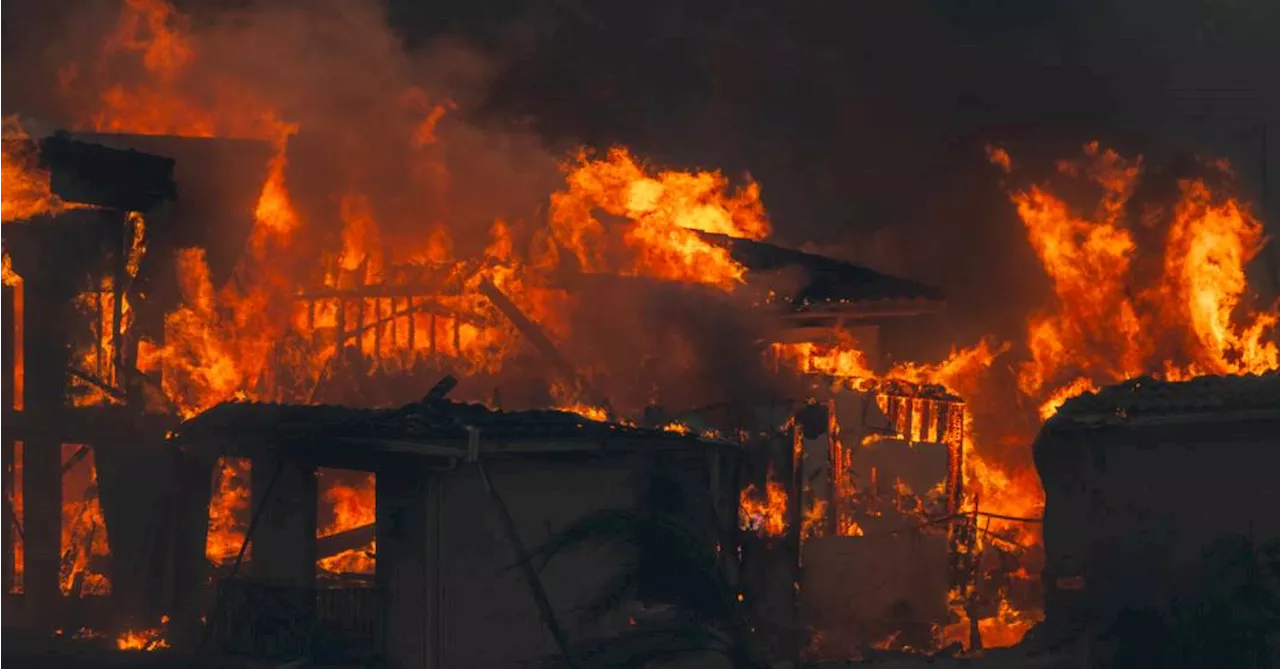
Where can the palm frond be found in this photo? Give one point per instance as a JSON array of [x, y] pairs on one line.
[[603, 527], [619, 590], [642, 645]]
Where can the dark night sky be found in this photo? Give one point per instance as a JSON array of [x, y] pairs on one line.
[[863, 121]]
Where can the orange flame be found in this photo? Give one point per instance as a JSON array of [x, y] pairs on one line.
[[84, 532], [145, 640], [24, 185], [663, 213], [351, 496], [764, 514], [228, 510]]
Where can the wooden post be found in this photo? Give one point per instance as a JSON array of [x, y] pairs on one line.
[[413, 339], [7, 444], [190, 521], [9, 520], [284, 543], [341, 341], [45, 362], [42, 523], [795, 521], [408, 563]]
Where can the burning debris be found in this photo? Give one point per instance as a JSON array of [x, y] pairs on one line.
[[146, 640]]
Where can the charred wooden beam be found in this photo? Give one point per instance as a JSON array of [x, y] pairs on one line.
[[538, 338], [12, 525], [331, 545], [347, 540]]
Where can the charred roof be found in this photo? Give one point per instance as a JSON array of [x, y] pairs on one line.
[[1149, 398], [433, 421], [828, 280]]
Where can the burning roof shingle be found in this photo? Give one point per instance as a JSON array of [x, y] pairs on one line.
[[1146, 397]]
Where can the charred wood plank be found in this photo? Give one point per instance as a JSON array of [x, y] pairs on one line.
[[329, 546], [347, 540], [538, 338]]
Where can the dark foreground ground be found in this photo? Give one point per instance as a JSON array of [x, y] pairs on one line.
[[23, 651]]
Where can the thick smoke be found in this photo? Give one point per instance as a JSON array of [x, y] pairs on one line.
[[382, 132], [865, 122]]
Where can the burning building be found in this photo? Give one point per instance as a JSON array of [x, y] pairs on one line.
[[463, 494], [129, 356], [212, 230]]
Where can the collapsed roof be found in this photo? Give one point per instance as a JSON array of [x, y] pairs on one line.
[[430, 427]]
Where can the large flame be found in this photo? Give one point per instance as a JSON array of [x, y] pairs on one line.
[[24, 185], [1111, 318], [84, 532], [255, 338], [1104, 325], [665, 211], [350, 499]]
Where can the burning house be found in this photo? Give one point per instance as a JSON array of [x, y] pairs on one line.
[[118, 366], [218, 246]]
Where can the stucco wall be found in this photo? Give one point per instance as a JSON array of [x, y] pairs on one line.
[[490, 619], [1132, 509]]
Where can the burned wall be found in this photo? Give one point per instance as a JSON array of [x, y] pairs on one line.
[[490, 617], [1131, 508]]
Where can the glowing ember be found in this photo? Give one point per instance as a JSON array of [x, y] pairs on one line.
[[677, 427], [145, 640], [588, 412]]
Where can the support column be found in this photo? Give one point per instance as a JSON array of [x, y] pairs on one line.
[[131, 497], [10, 533], [7, 312], [409, 500], [190, 526], [284, 540], [47, 306], [42, 526]]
